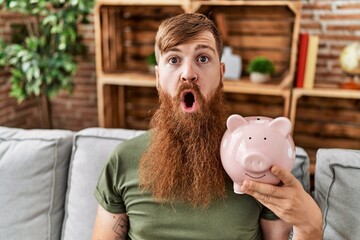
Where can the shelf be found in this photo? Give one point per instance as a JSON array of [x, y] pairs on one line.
[[245, 86], [142, 2], [128, 79], [323, 92], [297, 93], [325, 123], [242, 85], [295, 5]]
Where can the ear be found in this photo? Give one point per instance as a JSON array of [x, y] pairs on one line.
[[222, 71], [157, 77], [282, 124], [235, 121]]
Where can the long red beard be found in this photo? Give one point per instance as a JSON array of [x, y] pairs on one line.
[[183, 162]]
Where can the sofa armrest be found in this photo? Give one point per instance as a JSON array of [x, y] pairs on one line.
[[301, 168], [337, 192]]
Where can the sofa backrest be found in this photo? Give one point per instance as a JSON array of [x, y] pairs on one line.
[[33, 176], [92, 148], [337, 191]]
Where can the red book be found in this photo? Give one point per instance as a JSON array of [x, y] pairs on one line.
[[301, 59]]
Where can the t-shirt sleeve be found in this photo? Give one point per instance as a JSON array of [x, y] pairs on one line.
[[107, 192], [268, 214]]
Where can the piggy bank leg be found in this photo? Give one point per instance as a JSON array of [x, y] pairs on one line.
[[237, 189]]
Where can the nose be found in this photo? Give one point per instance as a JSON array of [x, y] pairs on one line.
[[188, 73], [256, 162]]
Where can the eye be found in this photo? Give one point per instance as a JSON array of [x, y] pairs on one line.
[[203, 59], [173, 60]]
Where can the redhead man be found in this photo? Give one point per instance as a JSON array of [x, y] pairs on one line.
[[169, 182]]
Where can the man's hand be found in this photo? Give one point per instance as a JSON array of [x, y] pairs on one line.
[[289, 202]]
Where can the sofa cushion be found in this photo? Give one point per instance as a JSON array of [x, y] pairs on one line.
[[301, 168], [337, 192], [92, 148], [33, 179]]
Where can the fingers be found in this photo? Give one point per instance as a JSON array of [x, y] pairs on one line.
[[264, 192], [286, 201], [273, 197], [261, 191], [285, 176]]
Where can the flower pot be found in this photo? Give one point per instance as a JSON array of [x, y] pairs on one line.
[[257, 77]]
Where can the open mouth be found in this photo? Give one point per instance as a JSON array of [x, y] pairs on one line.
[[188, 101], [254, 176]]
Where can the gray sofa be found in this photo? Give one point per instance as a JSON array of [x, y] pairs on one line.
[[47, 180]]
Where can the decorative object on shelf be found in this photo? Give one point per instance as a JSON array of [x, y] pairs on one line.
[[42, 58], [350, 64], [233, 65], [301, 59], [260, 69], [311, 61], [151, 62]]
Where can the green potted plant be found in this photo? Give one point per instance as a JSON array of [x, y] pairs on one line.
[[42, 59], [260, 69]]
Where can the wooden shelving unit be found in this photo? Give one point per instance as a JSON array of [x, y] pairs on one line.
[[125, 32], [326, 118], [297, 93]]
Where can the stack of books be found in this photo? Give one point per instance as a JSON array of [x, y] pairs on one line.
[[306, 60]]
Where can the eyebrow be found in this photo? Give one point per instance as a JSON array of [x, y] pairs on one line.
[[198, 47], [174, 49], [203, 46]]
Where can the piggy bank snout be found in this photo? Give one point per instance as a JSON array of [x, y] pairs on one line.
[[256, 162]]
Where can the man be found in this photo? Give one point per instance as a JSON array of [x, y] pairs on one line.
[[169, 183]]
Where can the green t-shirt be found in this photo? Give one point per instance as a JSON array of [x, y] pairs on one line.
[[235, 217]]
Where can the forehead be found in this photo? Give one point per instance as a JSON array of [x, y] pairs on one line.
[[204, 40]]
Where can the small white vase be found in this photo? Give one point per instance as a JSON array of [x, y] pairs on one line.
[[232, 64], [257, 77]]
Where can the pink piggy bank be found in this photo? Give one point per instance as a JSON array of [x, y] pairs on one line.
[[251, 145]]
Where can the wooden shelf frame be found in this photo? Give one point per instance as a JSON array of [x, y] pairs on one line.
[[281, 85], [243, 86], [297, 93]]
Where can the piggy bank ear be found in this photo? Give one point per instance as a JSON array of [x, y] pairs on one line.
[[282, 124], [235, 121]]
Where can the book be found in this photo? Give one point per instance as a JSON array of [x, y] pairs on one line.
[[311, 60], [301, 59]]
